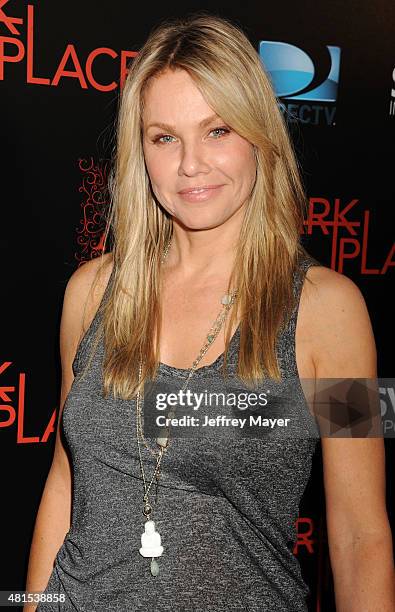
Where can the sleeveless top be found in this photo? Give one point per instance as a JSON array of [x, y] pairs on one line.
[[226, 507]]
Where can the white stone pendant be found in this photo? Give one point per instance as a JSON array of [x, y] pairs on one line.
[[154, 567], [162, 441], [226, 299], [150, 542]]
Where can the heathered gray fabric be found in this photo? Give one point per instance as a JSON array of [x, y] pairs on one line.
[[226, 509]]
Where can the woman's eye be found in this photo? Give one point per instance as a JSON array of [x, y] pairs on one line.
[[220, 131], [163, 139], [166, 138]]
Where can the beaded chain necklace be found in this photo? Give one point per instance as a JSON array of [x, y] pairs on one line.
[[151, 546]]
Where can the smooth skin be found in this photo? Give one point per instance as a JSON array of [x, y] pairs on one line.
[[334, 337]]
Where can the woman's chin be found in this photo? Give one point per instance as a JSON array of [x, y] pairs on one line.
[[198, 224]]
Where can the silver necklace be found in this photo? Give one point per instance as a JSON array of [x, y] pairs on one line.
[[151, 546]]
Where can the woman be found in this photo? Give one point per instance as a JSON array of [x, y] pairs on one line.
[[206, 218]]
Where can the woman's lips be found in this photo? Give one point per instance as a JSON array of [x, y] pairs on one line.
[[200, 194]]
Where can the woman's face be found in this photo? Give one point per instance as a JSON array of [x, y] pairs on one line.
[[201, 171]]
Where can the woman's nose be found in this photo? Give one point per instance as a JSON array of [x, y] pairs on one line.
[[193, 159]]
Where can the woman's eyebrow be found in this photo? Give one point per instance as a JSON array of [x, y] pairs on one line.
[[172, 128]]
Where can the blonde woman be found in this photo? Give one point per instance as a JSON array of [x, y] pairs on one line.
[[206, 277]]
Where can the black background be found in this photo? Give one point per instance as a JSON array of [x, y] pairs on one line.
[[46, 130]]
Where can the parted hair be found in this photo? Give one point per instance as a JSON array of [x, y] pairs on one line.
[[229, 73]]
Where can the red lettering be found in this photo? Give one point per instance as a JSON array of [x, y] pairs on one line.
[[76, 74], [88, 68], [4, 391], [10, 58], [30, 52], [341, 221], [50, 427], [342, 252], [6, 407], [389, 261], [315, 218], [21, 414], [9, 21], [304, 538], [349, 248], [70, 54], [340, 216], [124, 69], [364, 269], [6, 398], [12, 414], [4, 366]]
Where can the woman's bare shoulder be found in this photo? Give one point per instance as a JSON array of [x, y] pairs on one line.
[[325, 284], [85, 289], [339, 325], [96, 270]]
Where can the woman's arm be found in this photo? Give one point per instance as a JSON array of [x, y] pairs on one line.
[[359, 534], [54, 513]]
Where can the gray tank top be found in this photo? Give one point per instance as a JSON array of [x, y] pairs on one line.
[[226, 506]]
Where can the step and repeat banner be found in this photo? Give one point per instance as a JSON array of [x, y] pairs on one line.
[[62, 67]]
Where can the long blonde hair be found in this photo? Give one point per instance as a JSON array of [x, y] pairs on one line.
[[228, 71]]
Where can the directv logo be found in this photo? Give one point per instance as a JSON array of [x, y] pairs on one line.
[[291, 71]]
